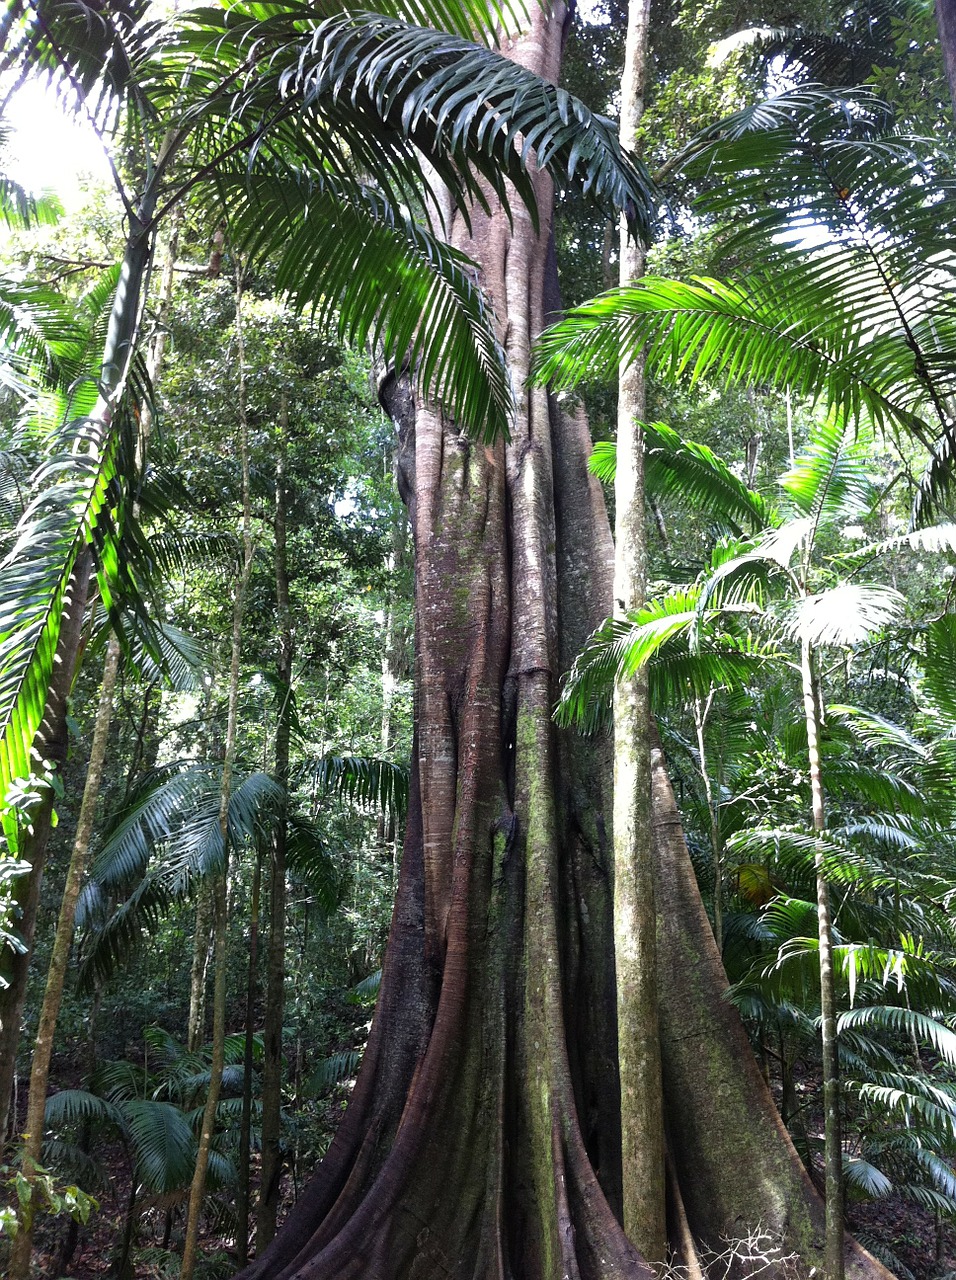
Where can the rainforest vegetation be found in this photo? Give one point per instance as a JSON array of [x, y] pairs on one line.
[[478, 642]]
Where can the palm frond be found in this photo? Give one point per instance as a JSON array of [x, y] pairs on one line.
[[603, 461], [751, 333], [163, 1143], [683, 661], [365, 781], [830, 478], [677, 467], [333, 1070], [309, 857], [419, 300], [879, 734], [72, 1106], [153, 811], [846, 614], [939, 674], [388, 88], [904, 1021], [865, 1178], [109, 943]]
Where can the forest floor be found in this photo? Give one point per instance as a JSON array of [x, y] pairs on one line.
[[901, 1232]]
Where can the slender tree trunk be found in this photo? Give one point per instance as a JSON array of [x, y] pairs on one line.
[[220, 882], [275, 980], [63, 940], [52, 746], [196, 1026], [635, 923], [701, 712], [832, 1136], [245, 1123]]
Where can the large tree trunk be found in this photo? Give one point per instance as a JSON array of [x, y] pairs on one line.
[[482, 1140], [480, 1128]]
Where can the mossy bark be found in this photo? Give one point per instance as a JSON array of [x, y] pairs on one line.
[[635, 941]]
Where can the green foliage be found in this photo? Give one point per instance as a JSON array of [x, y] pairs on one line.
[[852, 304], [39, 1194]]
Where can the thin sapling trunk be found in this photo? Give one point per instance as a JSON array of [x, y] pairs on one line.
[[275, 966], [63, 941], [220, 881], [832, 1136]]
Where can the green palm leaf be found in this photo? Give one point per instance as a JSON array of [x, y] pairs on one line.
[[309, 857], [34, 581], [863, 322], [753, 333], [863, 1177], [939, 675], [665, 636], [369, 783], [418, 302], [830, 479], [901, 1020], [163, 1143], [391, 92], [846, 614], [676, 467]]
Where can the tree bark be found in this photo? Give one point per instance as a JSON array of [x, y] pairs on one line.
[[63, 940], [635, 943]]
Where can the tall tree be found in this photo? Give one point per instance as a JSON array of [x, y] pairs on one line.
[[483, 1135], [311, 203], [497, 998], [635, 919]]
